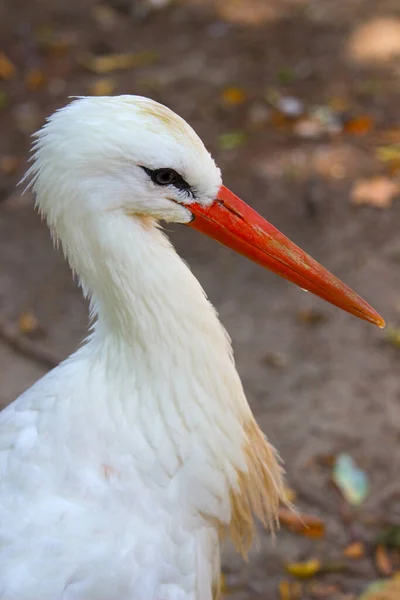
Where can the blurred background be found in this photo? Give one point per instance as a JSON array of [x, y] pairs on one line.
[[298, 100]]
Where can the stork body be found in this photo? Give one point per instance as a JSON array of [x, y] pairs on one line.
[[122, 467], [121, 459]]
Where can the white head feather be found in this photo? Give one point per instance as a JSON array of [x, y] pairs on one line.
[[93, 150]]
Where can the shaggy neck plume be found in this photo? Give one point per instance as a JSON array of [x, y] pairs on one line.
[[156, 330]]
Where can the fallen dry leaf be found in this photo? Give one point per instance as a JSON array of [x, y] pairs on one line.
[[382, 561], [377, 191], [102, 87], [28, 323], [284, 590], [109, 63], [233, 95], [7, 68], [355, 551], [289, 590], [389, 153], [305, 569], [302, 524], [359, 125], [390, 156]]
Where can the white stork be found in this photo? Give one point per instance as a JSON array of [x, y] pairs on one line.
[[123, 467]]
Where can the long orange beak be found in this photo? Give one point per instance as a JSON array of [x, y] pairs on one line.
[[233, 223]]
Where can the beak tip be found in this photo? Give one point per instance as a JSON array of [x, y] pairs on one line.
[[381, 323], [376, 319]]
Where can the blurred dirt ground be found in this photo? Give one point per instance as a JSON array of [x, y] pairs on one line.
[[248, 75]]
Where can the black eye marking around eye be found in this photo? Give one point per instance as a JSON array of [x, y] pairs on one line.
[[166, 176]]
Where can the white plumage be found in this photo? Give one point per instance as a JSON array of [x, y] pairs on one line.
[[115, 465], [122, 467]]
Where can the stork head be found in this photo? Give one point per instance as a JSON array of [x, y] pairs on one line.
[[131, 157], [121, 154]]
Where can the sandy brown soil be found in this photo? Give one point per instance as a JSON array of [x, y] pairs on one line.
[[335, 385]]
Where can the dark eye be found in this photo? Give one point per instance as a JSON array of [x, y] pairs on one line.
[[166, 176]]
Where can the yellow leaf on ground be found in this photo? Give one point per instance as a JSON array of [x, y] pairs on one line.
[[377, 191], [289, 590], [390, 156], [388, 153], [305, 569], [7, 69], [284, 590]]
